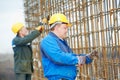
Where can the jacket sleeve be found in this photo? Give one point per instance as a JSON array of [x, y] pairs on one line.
[[27, 39], [88, 59], [51, 50]]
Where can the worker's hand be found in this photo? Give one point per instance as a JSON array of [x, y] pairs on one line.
[[44, 20], [40, 28], [81, 60], [93, 54]]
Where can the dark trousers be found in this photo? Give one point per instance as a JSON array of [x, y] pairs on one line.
[[20, 76]]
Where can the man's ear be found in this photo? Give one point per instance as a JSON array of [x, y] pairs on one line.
[[57, 26]]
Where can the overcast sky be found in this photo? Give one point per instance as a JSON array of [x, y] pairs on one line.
[[11, 11]]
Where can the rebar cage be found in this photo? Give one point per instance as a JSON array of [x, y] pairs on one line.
[[95, 25]]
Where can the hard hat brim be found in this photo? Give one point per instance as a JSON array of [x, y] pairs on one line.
[[53, 25], [69, 25]]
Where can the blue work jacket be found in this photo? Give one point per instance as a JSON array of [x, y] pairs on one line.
[[57, 58]]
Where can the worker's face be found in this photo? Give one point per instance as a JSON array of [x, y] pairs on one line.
[[62, 30], [23, 31]]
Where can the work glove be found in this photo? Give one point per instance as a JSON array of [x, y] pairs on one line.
[[44, 20], [88, 59], [93, 54], [40, 28], [81, 60]]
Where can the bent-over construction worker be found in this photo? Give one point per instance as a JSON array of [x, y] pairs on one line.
[[58, 60], [23, 59]]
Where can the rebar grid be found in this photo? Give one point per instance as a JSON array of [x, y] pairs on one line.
[[95, 25]]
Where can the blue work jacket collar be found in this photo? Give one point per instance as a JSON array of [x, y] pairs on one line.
[[54, 35], [62, 43]]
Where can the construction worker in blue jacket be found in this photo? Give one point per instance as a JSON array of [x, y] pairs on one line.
[[21, 44], [58, 60]]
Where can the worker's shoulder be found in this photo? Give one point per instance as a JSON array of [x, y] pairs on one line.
[[16, 38], [48, 38]]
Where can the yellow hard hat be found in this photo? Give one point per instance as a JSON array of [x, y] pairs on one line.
[[58, 17], [16, 27]]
